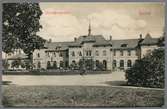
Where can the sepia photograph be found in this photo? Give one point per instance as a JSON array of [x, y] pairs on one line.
[[83, 54]]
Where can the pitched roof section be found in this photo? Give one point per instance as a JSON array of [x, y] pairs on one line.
[[98, 40], [124, 44], [148, 40], [18, 56]]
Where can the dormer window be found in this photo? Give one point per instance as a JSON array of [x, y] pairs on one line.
[[124, 45]]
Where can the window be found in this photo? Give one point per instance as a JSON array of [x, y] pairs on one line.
[[60, 54], [80, 54], [129, 53], [66, 54], [124, 45], [54, 54], [114, 52], [114, 63], [121, 63], [121, 53], [105, 64], [97, 63], [48, 54], [49, 65], [66, 64], [51, 59], [104, 53], [129, 63], [38, 55], [88, 53], [97, 53], [136, 52], [73, 53], [61, 63], [39, 65], [54, 64]]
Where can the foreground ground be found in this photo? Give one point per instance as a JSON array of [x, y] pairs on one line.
[[54, 96], [76, 90]]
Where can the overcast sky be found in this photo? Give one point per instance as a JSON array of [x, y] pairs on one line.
[[64, 21]]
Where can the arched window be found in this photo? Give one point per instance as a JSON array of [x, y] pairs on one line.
[[105, 64], [104, 53], [73, 61], [121, 63], [39, 65], [114, 63], [129, 63]]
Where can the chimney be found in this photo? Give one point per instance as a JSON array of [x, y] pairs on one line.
[[140, 36], [50, 40], [110, 37], [75, 39]]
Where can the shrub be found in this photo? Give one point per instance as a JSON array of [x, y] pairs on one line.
[[149, 71]]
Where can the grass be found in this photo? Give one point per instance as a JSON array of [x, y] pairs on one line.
[[62, 96]]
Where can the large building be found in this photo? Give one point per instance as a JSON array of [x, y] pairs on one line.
[[94, 52]]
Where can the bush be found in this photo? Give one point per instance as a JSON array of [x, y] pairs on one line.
[[149, 71]]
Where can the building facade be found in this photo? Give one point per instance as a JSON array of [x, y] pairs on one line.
[[94, 52]]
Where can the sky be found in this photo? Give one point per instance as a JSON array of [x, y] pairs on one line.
[[64, 21]]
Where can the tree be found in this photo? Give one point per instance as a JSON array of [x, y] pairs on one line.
[[15, 63], [20, 25], [149, 71]]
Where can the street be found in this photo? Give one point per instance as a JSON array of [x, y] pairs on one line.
[[65, 80]]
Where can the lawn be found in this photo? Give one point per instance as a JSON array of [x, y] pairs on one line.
[[55, 96]]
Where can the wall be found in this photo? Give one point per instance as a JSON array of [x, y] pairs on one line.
[[133, 57]]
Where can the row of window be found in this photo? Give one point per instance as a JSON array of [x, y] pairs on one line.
[[54, 54], [121, 63], [122, 53], [89, 53], [54, 64]]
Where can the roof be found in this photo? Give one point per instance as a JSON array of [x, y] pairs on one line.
[[99, 40], [148, 40], [119, 44], [58, 45]]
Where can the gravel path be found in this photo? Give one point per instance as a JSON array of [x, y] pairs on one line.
[[66, 80]]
